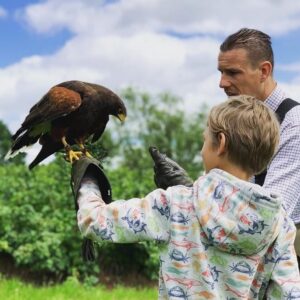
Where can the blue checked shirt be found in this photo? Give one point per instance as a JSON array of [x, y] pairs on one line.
[[283, 176]]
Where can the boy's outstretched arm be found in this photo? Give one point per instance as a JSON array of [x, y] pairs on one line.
[[120, 221]]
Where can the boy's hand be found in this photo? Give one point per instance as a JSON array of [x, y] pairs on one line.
[[87, 170], [167, 172]]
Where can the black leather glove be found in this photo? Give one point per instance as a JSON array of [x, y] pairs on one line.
[[89, 168], [167, 172]]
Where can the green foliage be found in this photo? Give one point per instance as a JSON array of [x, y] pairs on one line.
[[155, 121], [71, 289], [5, 144], [152, 263], [37, 219]]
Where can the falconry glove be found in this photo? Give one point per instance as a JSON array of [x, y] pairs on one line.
[[84, 169], [167, 172]]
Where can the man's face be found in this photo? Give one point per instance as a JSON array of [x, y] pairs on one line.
[[238, 76]]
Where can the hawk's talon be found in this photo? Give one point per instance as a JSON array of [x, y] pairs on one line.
[[71, 155], [87, 154], [83, 149]]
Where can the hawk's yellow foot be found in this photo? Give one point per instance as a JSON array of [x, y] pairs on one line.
[[86, 153], [71, 155], [83, 149]]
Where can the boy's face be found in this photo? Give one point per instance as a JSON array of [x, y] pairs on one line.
[[209, 152]]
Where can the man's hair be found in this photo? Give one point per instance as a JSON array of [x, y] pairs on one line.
[[257, 44], [251, 130]]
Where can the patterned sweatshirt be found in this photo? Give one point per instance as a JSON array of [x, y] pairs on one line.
[[223, 238]]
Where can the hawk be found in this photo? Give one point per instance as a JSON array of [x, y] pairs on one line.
[[69, 113]]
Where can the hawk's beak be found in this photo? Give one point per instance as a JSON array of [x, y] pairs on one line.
[[121, 117]]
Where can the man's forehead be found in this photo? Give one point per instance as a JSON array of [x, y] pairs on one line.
[[233, 58]]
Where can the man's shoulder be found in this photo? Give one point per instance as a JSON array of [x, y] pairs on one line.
[[292, 117]]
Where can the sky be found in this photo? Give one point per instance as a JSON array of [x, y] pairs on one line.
[[151, 45]]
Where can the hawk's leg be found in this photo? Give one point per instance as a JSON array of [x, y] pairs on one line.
[[70, 154], [83, 148]]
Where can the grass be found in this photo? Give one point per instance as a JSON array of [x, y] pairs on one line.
[[13, 289]]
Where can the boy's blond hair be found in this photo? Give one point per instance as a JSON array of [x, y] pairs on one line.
[[251, 130]]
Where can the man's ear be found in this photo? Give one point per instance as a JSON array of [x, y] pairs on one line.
[[222, 148], [266, 70]]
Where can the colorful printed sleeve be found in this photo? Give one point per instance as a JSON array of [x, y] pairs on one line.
[[285, 279], [123, 221]]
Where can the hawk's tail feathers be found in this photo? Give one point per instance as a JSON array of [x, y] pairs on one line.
[[47, 150], [20, 144], [10, 154], [18, 132]]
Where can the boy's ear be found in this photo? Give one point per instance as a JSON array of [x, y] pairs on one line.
[[222, 148]]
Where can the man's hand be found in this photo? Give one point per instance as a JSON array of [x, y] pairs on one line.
[[167, 172]]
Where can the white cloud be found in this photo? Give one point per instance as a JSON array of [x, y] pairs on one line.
[[293, 89], [148, 60], [125, 43], [190, 16], [3, 12], [128, 42], [294, 67]]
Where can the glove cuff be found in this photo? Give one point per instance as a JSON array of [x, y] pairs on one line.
[[91, 167]]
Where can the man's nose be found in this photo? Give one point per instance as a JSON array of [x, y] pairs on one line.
[[224, 82]]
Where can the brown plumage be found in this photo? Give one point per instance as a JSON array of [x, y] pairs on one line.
[[68, 114]]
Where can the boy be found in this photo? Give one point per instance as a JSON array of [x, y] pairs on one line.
[[223, 237]]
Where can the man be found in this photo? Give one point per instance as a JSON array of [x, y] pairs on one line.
[[246, 63]]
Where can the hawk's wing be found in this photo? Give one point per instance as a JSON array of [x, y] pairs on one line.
[[99, 131], [58, 102], [82, 88]]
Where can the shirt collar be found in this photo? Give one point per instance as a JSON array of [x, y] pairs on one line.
[[275, 98]]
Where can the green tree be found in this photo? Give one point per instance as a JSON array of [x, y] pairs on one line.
[[159, 121], [5, 144]]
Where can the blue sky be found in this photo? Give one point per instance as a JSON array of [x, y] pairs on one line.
[[19, 41], [287, 47], [152, 45]]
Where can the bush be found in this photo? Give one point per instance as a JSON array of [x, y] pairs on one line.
[[38, 226], [38, 221]]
